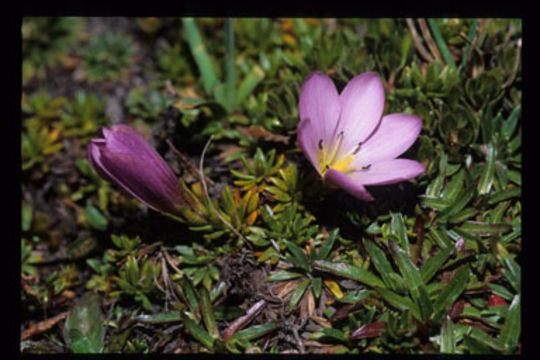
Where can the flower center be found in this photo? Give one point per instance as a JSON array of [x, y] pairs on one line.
[[328, 158]]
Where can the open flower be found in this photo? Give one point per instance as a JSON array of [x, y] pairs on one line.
[[347, 139], [125, 158]]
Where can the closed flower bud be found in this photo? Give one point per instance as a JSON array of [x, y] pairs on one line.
[[123, 157]]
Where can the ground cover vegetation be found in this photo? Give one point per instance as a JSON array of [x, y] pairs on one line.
[[263, 256]]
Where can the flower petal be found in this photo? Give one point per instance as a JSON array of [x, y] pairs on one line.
[[153, 187], [124, 158], [123, 139], [394, 135], [362, 103], [307, 141], [319, 102], [348, 184], [388, 172]]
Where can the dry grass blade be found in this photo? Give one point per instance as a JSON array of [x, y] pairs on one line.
[[418, 41], [43, 326], [242, 321], [429, 40]]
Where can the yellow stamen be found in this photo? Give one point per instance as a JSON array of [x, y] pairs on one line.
[[328, 157]]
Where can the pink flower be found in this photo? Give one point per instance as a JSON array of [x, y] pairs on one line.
[[347, 139]]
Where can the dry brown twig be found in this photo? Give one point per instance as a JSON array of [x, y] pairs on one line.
[[429, 39], [418, 41]]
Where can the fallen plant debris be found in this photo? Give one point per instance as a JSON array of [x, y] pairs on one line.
[[207, 185]]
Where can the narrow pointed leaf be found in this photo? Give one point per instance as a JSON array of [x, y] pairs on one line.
[[350, 272], [511, 330]]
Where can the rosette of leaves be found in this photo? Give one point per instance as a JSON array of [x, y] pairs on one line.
[[199, 264], [136, 279], [233, 210], [37, 145], [172, 64], [438, 82], [264, 166], [83, 116], [107, 57], [108, 266], [41, 133], [147, 105], [45, 42], [289, 225], [301, 280], [41, 110]]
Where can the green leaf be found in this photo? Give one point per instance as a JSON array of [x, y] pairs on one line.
[[484, 229], [484, 340], [329, 333], [486, 180], [283, 275], [252, 79], [327, 246], [198, 333], [511, 330], [83, 331], [298, 257], [207, 313], [198, 50], [381, 263], [298, 293], [458, 204], [441, 44], [448, 337], [350, 272], [230, 77], [398, 228], [95, 218], [504, 195], [414, 281], [191, 294], [452, 292], [434, 263], [316, 285], [27, 212], [254, 332], [454, 186], [511, 123], [159, 318], [399, 302]]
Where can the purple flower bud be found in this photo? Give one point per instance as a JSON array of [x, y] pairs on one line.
[[123, 157]]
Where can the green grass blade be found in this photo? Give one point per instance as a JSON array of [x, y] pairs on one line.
[[441, 44], [230, 66], [198, 50], [470, 38], [250, 82]]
